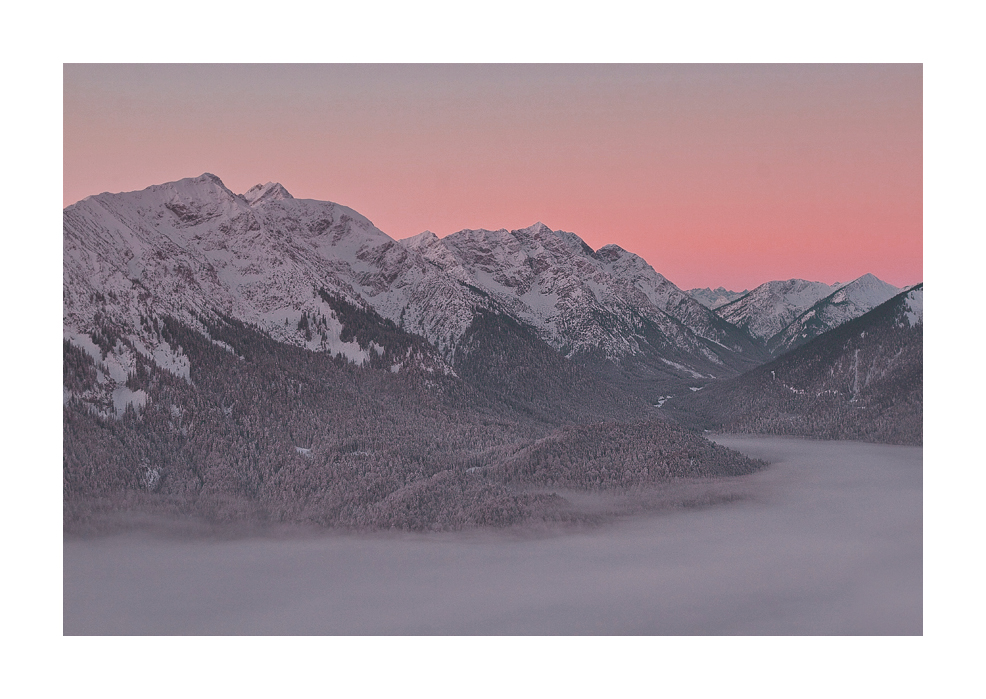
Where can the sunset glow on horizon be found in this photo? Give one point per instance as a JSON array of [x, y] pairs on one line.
[[728, 175]]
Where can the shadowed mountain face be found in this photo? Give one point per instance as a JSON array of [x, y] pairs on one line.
[[862, 380]]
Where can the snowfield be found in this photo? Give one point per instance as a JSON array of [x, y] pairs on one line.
[[915, 307]]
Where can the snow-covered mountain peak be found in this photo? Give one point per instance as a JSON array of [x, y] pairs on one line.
[[610, 253], [424, 239], [538, 236], [633, 269], [204, 186], [771, 306], [185, 202], [205, 190], [842, 305], [865, 281], [866, 291], [554, 281], [272, 191], [536, 231], [620, 261], [507, 247], [192, 249]]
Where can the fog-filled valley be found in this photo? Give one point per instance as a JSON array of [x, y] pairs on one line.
[[825, 540]]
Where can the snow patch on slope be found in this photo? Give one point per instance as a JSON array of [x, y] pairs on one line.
[[173, 360], [914, 307], [694, 374], [123, 396], [112, 373], [334, 344]]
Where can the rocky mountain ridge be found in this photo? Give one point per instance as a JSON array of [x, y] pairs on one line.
[[193, 249], [847, 302], [770, 307], [713, 298]]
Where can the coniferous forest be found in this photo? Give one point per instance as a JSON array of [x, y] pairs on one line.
[[263, 431]]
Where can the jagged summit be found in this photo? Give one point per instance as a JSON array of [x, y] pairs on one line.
[[714, 298], [610, 303], [192, 248], [610, 253], [205, 184], [423, 238], [272, 191]]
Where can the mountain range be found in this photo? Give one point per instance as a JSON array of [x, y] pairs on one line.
[[183, 300], [862, 380]]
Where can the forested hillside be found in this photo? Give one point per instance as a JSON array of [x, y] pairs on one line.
[[263, 431], [621, 455]]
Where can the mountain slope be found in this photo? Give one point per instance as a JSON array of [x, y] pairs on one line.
[[770, 307], [862, 380], [192, 248], [848, 302], [607, 308]]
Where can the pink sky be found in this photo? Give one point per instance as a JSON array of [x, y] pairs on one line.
[[717, 175]]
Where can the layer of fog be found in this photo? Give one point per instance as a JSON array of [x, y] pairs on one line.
[[827, 541]]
